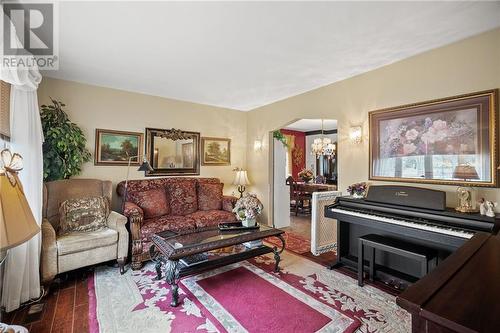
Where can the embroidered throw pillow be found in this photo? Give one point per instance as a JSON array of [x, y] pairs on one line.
[[153, 203], [210, 196], [83, 215]]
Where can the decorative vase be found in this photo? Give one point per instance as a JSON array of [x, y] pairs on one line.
[[357, 195], [249, 222]]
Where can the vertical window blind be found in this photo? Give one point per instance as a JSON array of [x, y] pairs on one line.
[[4, 110]]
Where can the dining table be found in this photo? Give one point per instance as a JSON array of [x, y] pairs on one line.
[[314, 187]]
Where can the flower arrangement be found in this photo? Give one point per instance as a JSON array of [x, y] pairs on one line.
[[248, 208], [306, 175], [357, 189]]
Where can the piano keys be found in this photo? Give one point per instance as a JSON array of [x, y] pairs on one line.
[[416, 215]]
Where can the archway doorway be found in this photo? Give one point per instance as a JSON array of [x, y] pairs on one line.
[[292, 153]]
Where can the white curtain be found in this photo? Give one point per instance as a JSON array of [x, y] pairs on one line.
[[21, 280]]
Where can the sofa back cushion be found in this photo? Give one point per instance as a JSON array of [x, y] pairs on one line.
[[141, 185], [83, 215], [153, 202], [210, 196], [182, 196]]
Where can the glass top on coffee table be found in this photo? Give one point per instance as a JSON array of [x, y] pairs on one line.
[[176, 246]]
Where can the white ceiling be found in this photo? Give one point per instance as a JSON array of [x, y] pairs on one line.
[[243, 55], [306, 125]]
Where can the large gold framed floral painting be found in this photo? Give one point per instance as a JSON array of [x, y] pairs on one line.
[[431, 142]]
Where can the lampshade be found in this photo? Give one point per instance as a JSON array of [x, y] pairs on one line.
[[17, 224], [241, 178], [145, 166], [464, 171]]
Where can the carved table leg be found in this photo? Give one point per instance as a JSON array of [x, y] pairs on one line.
[[158, 270], [158, 259], [277, 259], [277, 253], [172, 278]]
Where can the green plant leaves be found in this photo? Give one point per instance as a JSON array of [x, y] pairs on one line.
[[64, 150], [280, 137]]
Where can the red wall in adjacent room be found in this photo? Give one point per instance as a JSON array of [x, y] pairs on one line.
[[300, 142]]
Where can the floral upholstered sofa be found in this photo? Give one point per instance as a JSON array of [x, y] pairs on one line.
[[175, 204]]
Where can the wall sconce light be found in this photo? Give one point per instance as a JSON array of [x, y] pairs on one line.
[[257, 145], [356, 134]]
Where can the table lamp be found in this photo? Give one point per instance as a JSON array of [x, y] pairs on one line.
[[17, 224], [241, 180], [466, 195]]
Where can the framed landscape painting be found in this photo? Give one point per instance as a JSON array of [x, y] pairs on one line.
[[115, 147], [426, 142], [216, 151]]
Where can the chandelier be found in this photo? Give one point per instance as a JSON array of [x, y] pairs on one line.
[[323, 146]]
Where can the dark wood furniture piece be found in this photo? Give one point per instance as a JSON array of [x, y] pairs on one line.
[[462, 294], [301, 194], [314, 187], [427, 258], [169, 248], [401, 212], [298, 198]]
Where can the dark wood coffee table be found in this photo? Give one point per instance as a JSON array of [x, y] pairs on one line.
[[170, 248]]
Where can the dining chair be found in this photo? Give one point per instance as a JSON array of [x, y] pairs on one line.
[[298, 197]]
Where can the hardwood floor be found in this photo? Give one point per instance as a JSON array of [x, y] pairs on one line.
[[300, 225], [65, 310]]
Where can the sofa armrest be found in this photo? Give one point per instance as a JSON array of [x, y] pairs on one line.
[[228, 202], [130, 210], [135, 216], [49, 252], [117, 222]]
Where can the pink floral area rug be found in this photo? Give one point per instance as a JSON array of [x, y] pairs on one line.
[[294, 242], [243, 297]]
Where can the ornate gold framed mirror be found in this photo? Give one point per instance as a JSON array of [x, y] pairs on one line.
[[172, 152]]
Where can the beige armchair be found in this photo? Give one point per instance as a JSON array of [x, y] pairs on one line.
[[64, 253]]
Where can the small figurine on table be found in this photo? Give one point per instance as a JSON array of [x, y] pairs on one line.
[[490, 208], [482, 206]]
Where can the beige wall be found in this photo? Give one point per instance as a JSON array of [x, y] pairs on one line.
[[467, 66], [94, 107]]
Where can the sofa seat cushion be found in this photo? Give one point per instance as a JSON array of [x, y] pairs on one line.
[[168, 222], [210, 218], [183, 198], [84, 241], [210, 196], [153, 202]]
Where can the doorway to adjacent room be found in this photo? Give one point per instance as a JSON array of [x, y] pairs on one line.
[[304, 161]]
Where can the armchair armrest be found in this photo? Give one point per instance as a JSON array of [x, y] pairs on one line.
[[228, 202], [49, 252], [117, 222]]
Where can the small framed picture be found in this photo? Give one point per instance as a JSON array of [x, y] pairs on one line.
[[115, 147], [215, 151]]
